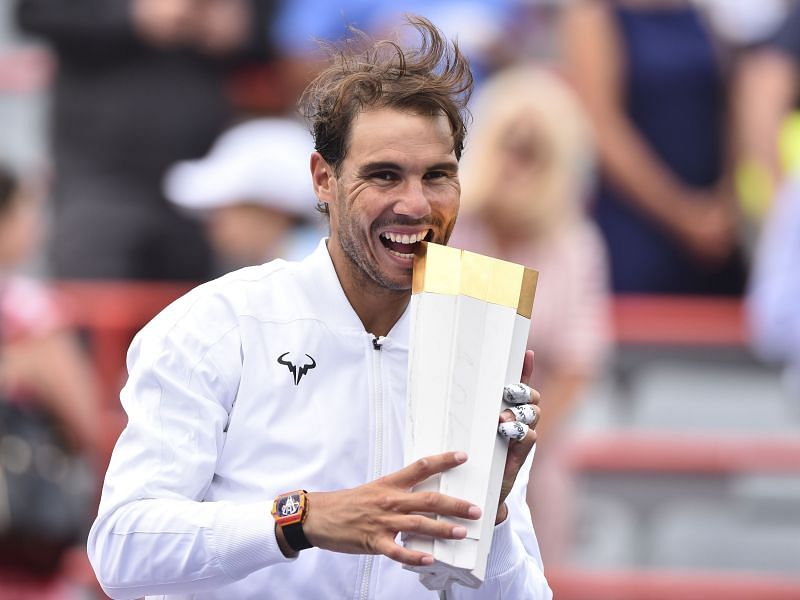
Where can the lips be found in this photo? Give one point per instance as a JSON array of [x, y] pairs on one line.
[[403, 244]]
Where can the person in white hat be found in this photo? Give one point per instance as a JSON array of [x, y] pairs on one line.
[[254, 190]]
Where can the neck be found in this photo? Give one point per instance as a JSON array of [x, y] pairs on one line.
[[377, 307]]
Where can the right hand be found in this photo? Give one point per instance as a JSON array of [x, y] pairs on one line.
[[367, 519], [706, 227]]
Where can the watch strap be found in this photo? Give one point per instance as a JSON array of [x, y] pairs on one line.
[[296, 537]]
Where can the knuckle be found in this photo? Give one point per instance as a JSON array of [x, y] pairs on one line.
[[430, 500], [416, 522], [424, 464]]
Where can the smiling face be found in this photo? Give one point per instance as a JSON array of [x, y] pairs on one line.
[[398, 185]]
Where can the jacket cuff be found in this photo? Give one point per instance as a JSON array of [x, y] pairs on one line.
[[244, 538], [506, 551]]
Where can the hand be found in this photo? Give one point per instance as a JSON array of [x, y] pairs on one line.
[[706, 227], [221, 26], [367, 519], [518, 450], [163, 23]]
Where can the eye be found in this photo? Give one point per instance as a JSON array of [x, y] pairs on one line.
[[384, 176], [436, 174]]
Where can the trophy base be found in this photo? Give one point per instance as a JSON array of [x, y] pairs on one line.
[[441, 576]]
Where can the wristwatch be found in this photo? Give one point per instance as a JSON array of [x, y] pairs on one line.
[[290, 511]]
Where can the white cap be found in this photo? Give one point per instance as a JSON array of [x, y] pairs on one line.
[[263, 161]]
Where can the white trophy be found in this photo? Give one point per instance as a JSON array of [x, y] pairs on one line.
[[470, 318]]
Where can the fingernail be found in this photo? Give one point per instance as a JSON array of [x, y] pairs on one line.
[[460, 457], [474, 512], [513, 431], [459, 532], [426, 560], [517, 393]]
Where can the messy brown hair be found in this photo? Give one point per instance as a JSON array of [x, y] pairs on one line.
[[433, 79]]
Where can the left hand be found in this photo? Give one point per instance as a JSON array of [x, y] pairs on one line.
[[518, 450]]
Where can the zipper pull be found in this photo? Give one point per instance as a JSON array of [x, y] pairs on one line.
[[377, 344]]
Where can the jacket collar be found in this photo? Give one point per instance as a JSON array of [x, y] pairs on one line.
[[321, 275]]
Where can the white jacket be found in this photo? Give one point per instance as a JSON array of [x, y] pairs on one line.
[[219, 425]]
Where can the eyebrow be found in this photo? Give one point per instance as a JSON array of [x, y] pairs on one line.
[[392, 166]]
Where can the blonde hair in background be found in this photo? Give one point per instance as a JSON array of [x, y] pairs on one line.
[[534, 105]]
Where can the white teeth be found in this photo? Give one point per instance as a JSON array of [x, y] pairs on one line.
[[400, 254], [404, 238]]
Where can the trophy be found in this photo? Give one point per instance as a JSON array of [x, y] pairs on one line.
[[470, 319]]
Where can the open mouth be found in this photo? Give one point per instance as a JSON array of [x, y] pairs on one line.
[[403, 245]]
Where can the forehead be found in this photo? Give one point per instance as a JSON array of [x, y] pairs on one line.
[[387, 134]]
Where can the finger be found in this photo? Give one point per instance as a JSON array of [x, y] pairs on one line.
[[524, 413], [520, 393], [421, 469], [527, 367], [434, 503], [422, 525], [518, 450], [513, 430], [396, 552], [517, 393]]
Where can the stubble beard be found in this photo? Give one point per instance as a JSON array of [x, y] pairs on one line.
[[364, 269]]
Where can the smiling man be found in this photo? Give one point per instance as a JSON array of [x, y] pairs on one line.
[[281, 388]]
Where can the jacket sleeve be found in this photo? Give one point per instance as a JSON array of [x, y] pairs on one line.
[[76, 20], [153, 533], [514, 569]]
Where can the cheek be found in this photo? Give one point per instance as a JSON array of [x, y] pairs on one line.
[[227, 231], [448, 201]]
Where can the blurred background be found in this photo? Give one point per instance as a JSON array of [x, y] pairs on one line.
[[641, 154]]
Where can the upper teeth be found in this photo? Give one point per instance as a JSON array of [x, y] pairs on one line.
[[404, 238]]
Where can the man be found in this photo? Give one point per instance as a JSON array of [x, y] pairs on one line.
[[291, 376], [140, 84]]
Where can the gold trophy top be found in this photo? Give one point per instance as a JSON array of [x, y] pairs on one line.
[[447, 270]]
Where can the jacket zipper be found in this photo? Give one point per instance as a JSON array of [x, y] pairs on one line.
[[377, 344]]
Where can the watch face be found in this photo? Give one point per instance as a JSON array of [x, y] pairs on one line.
[[288, 505], [289, 508]]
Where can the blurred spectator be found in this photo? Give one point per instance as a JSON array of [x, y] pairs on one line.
[[775, 285], [48, 416], [525, 176], [255, 190], [140, 84], [766, 93], [650, 77]]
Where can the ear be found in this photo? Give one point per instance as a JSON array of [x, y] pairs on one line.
[[323, 179]]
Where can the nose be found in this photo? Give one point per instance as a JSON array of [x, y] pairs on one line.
[[412, 201]]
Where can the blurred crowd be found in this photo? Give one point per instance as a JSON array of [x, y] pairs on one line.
[[619, 147]]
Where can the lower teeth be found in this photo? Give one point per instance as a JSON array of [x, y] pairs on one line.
[[399, 253]]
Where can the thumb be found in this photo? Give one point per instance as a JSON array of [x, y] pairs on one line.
[[527, 367]]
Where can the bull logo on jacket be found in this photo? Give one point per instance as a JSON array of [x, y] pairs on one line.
[[297, 371]]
